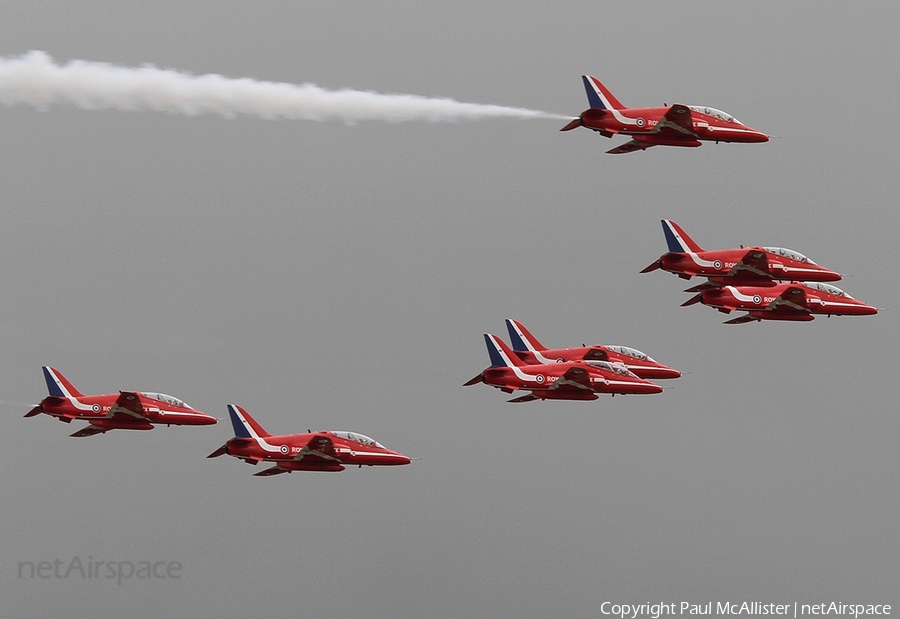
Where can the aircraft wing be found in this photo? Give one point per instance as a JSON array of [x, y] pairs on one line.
[[791, 302], [595, 354], [576, 379], [676, 120], [741, 319], [754, 261], [88, 431], [322, 446], [629, 147], [793, 299], [319, 448], [275, 470], [130, 402], [525, 398]]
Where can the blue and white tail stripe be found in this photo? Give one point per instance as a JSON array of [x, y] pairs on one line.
[[242, 429], [518, 339], [606, 101], [677, 244], [522, 343], [55, 386], [499, 359], [596, 99]]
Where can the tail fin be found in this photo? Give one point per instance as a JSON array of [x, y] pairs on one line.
[[245, 426], [500, 353], [678, 240], [599, 96], [57, 384], [521, 338]]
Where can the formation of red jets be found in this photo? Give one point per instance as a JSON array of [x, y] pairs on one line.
[[139, 410], [566, 373], [767, 283]]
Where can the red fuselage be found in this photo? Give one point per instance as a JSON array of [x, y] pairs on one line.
[[750, 265], [301, 452], [551, 382], [642, 123], [675, 125], [637, 363], [786, 301], [124, 411]]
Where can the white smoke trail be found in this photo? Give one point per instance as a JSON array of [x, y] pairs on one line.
[[35, 79]]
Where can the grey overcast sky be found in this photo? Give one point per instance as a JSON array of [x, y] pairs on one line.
[[334, 276]]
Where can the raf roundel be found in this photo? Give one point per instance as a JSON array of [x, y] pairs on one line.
[[757, 299], [284, 449], [539, 379], [717, 264], [640, 122], [96, 408]]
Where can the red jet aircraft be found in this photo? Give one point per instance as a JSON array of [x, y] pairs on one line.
[[313, 451], [531, 351], [126, 410], [783, 301], [570, 380], [676, 125], [758, 266]]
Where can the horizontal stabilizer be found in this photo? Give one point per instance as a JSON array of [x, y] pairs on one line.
[[693, 300], [651, 267], [702, 287], [221, 451], [572, 125], [37, 410], [474, 381]]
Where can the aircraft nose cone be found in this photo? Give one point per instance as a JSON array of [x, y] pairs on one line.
[[400, 458], [206, 420], [757, 136], [669, 373], [644, 387], [868, 310], [651, 388]]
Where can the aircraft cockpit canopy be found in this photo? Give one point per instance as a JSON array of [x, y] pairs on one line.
[[829, 289], [617, 368], [359, 438], [162, 397], [788, 253], [631, 352], [711, 111]]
